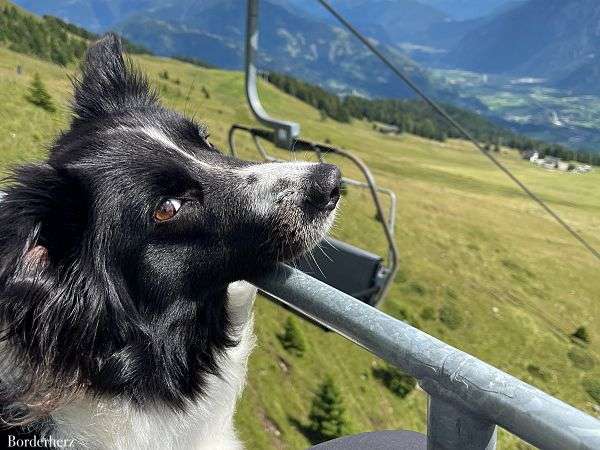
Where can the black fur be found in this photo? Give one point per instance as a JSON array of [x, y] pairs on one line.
[[95, 295]]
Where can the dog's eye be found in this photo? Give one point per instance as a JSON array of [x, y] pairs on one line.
[[167, 210]]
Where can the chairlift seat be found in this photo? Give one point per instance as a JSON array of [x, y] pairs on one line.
[[349, 269]]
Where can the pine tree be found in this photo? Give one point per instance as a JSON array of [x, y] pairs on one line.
[[327, 415], [582, 334], [39, 96], [399, 383], [292, 339]]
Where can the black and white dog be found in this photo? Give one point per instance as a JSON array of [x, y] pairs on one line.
[[124, 321]]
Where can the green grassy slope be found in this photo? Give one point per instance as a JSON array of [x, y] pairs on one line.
[[469, 240]]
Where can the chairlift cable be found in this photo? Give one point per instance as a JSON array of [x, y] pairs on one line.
[[463, 131]]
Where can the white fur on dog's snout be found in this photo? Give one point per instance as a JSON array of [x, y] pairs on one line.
[[265, 194]]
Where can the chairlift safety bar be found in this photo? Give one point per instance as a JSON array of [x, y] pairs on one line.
[[467, 397]]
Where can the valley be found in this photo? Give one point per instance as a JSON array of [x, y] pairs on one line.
[[529, 106]]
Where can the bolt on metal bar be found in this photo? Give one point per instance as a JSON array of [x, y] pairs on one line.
[[479, 393]]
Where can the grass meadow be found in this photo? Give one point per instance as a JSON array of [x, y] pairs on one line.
[[472, 246]]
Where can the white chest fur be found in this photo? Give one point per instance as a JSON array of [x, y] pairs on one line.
[[206, 424]]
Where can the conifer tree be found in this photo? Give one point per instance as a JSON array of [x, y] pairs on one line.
[[327, 415], [292, 338], [582, 334], [39, 96], [397, 381]]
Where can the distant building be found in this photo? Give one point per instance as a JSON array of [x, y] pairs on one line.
[[388, 129], [554, 163], [551, 162], [555, 120], [531, 155], [583, 169]]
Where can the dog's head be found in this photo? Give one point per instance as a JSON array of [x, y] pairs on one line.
[[115, 253]]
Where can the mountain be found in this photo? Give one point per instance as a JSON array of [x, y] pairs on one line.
[[293, 40], [430, 46], [583, 80], [390, 21], [94, 15], [467, 9], [553, 39], [507, 6]]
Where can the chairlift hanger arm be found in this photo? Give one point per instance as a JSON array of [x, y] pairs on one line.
[[284, 131]]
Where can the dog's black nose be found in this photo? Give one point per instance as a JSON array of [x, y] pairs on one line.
[[324, 187]]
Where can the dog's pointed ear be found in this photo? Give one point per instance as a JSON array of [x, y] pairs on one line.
[[109, 83]]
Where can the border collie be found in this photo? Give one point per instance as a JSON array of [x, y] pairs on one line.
[[125, 323]]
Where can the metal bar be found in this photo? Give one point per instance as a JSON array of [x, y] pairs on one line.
[[444, 372], [262, 150], [231, 138], [389, 232], [450, 428], [391, 216], [284, 132]]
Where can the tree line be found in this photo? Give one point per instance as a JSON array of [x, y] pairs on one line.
[[47, 38], [417, 117]]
